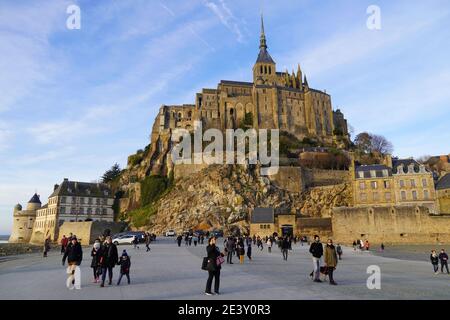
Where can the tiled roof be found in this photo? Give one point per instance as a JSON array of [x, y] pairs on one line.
[[444, 182], [264, 56], [240, 83], [263, 215], [80, 189]]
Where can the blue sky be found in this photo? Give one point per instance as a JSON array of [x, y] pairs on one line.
[[74, 102]]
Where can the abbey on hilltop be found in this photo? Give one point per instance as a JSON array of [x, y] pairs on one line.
[[274, 100]]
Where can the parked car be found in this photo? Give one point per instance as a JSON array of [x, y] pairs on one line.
[[199, 233], [140, 235], [170, 233], [123, 239]]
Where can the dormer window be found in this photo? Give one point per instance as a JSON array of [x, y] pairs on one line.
[[373, 173], [361, 174]]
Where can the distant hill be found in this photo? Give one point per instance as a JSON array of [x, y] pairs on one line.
[[4, 237]]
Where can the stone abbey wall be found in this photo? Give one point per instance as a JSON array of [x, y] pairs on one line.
[[88, 231], [392, 224]]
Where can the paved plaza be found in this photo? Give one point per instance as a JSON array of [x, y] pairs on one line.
[[172, 272]]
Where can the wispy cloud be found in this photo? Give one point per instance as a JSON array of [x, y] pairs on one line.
[[226, 16]]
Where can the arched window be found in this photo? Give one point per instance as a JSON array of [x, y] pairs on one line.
[[179, 115], [189, 114], [270, 70], [261, 69], [231, 111], [265, 69]]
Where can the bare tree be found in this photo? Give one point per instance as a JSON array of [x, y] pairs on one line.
[[380, 144]]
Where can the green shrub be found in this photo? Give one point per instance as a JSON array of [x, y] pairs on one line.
[[135, 159], [141, 217], [151, 188]]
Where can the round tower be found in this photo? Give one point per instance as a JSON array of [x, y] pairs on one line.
[[23, 221]]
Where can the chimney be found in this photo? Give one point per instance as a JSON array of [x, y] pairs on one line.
[[55, 187]]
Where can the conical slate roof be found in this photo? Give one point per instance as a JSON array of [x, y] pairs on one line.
[[35, 199]]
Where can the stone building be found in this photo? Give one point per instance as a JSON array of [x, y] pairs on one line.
[[443, 193], [264, 222], [23, 221], [398, 182], [273, 100], [72, 201]]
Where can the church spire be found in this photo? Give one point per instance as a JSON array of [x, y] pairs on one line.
[[262, 38]]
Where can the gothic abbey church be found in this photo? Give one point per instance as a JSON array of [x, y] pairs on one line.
[[274, 100]]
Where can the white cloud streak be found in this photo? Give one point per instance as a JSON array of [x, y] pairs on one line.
[[226, 17]]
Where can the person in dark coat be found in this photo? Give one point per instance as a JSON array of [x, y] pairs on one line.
[[249, 250], [331, 260], [179, 239], [230, 246], [125, 264], [108, 259], [443, 258], [148, 239], [95, 263], [213, 268], [74, 256], [46, 247], [316, 250], [285, 248], [434, 261]]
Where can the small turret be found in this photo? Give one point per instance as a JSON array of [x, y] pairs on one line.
[[17, 208], [305, 83], [34, 203]]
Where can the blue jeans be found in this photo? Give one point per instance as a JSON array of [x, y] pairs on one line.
[[316, 263]]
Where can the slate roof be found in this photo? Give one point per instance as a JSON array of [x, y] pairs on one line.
[[240, 83], [263, 215], [35, 199], [406, 163], [378, 170], [81, 189], [264, 56], [444, 182]]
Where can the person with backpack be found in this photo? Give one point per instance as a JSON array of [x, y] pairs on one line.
[[135, 242], [316, 250], [214, 265], [125, 264]]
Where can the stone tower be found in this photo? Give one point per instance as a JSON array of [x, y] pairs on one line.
[[24, 221], [264, 70]]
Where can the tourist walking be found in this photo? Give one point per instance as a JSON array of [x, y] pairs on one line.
[[434, 261], [195, 239], [74, 256], [354, 245], [95, 262], [179, 239], [316, 250], [382, 247], [46, 247], [230, 246], [443, 258], [339, 251], [269, 245], [148, 239], [249, 250], [108, 260], [331, 260], [366, 245], [64, 242], [285, 248], [190, 240], [186, 239], [240, 251], [213, 266], [125, 264], [135, 243]]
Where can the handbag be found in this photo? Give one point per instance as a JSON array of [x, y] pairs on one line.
[[219, 260], [205, 263]]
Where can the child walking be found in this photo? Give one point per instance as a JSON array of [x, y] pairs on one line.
[[125, 264]]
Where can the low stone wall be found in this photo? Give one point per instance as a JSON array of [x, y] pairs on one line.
[[390, 224], [9, 249], [88, 231], [312, 226], [289, 178], [318, 177]]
